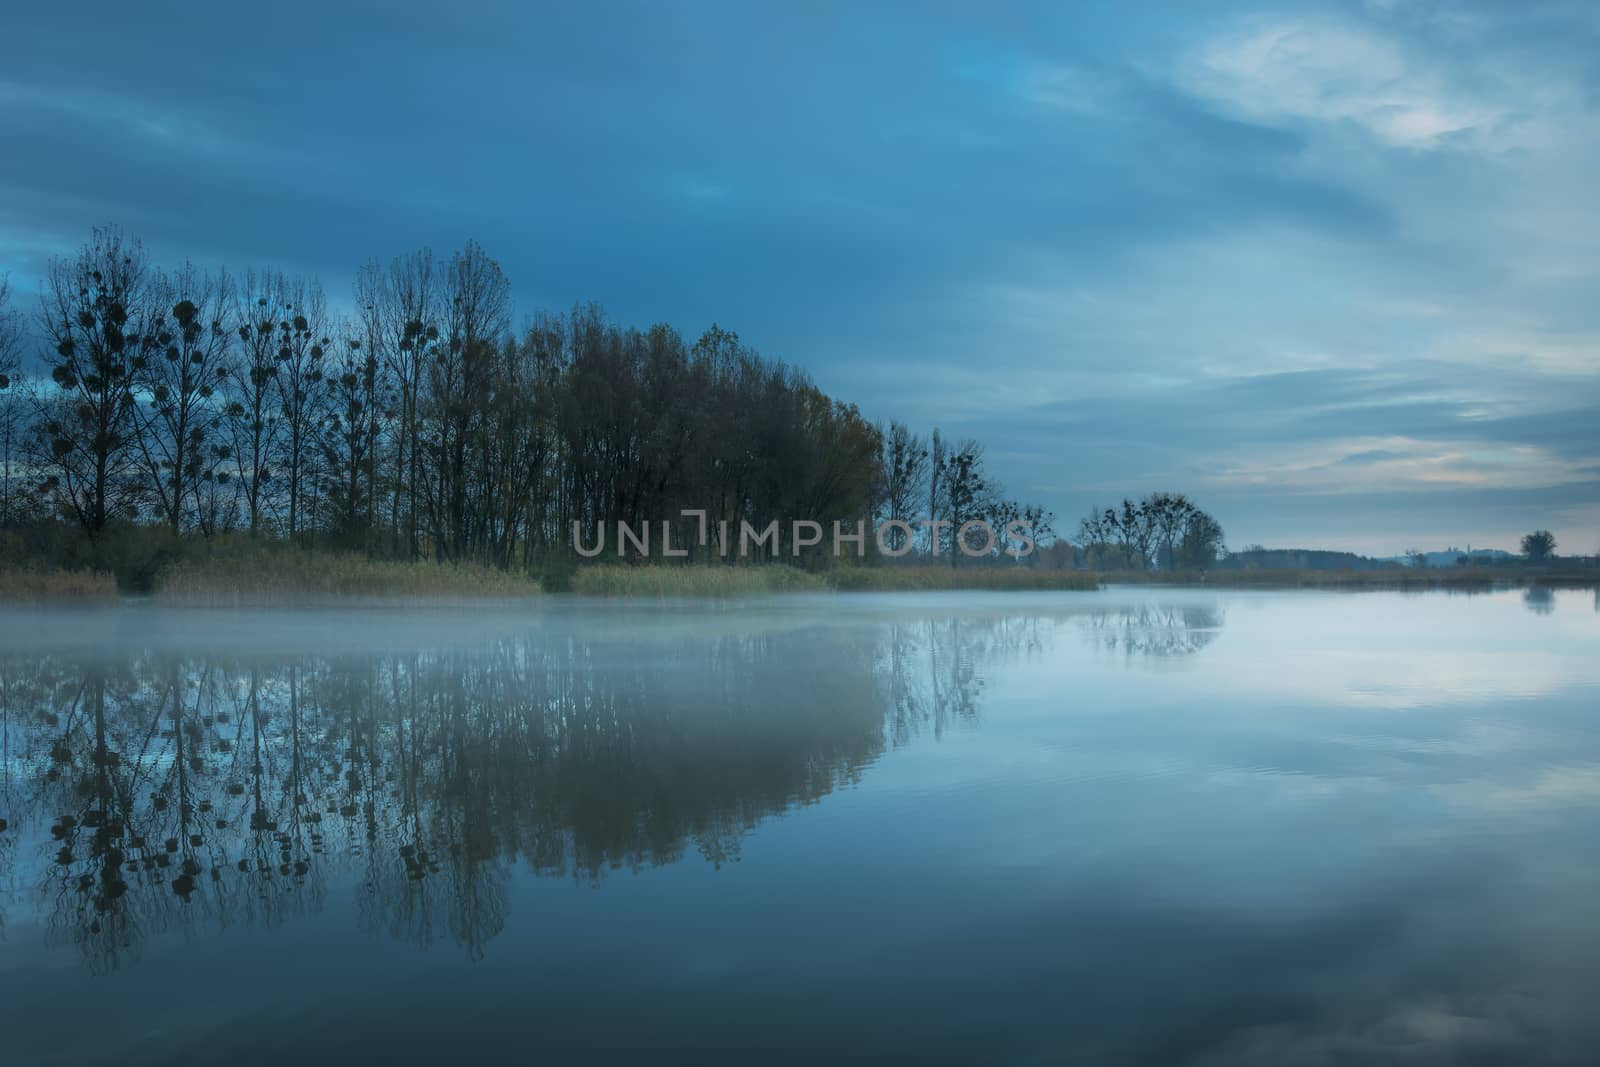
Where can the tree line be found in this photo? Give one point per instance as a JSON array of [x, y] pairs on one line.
[[1165, 531], [421, 425]]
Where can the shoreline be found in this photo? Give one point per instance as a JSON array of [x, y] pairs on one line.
[[393, 584], [1470, 579]]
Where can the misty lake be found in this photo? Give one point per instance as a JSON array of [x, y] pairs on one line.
[[1141, 826]]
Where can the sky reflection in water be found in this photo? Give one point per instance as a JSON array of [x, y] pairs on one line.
[[1144, 826]]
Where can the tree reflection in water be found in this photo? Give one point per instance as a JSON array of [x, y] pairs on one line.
[[166, 792], [1539, 599], [1160, 630]]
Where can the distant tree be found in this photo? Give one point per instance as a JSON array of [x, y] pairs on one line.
[[1201, 545], [1041, 522], [1161, 530], [173, 399], [402, 308], [1095, 529], [10, 335], [519, 442], [254, 409], [969, 494], [936, 486], [302, 348], [1059, 555], [346, 442], [1539, 546], [1136, 533], [1167, 516], [905, 469], [10, 403], [476, 298], [180, 414], [1013, 543], [1108, 541], [97, 318]]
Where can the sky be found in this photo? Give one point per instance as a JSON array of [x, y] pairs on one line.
[[1331, 269]]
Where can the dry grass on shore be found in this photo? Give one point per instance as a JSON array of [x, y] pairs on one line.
[[760, 580], [931, 579], [287, 576], [617, 580], [27, 584], [242, 574]]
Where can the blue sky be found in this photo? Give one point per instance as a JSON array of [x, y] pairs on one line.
[[1332, 269]]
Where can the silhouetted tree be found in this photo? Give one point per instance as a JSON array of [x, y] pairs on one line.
[[476, 308], [302, 348], [255, 407], [1202, 541], [98, 319], [348, 441], [1167, 516], [426, 427], [180, 412], [1162, 529], [1539, 546], [401, 305], [969, 496], [905, 471], [10, 403]]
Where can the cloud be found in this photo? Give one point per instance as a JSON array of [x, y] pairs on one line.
[[1369, 456], [1326, 71], [1190, 246]]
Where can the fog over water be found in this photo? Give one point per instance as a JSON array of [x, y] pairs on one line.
[[1137, 826]]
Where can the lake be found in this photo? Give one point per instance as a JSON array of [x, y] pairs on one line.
[[1144, 826]]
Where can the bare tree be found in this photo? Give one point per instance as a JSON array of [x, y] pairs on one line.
[[905, 469], [181, 417], [97, 318], [302, 347], [10, 335], [1167, 515], [477, 444], [347, 441], [1162, 529], [969, 494], [1202, 541], [476, 310], [10, 404], [1039, 522], [401, 306], [255, 406]]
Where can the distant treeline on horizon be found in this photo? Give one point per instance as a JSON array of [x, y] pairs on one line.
[[424, 427]]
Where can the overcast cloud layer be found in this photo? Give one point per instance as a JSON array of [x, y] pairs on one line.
[[1335, 271]]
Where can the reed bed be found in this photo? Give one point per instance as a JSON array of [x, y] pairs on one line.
[[721, 582], [274, 577], [931, 579], [615, 580], [27, 584]]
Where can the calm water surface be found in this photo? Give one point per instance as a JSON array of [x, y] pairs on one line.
[[1146, 826]]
